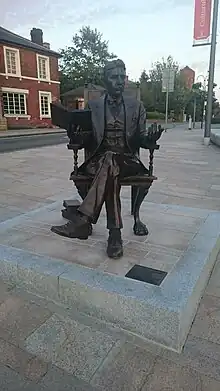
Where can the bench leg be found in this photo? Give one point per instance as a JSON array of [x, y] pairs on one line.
[[139, 228], [134, 192]]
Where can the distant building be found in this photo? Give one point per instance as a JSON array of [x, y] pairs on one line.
[[29, 79], [77, 98], [188, 75]]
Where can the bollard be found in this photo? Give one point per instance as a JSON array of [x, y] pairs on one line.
[[190, 122]]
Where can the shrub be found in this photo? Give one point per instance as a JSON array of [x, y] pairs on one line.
[[155, 115], [216, 120]]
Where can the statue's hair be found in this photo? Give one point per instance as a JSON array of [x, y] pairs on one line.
[[113, 64]]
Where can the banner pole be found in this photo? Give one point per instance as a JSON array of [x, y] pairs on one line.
[[208, 118]]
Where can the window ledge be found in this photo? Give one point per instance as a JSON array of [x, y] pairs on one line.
[[21, 77], [45, 116], [12, 75], [17, 116], [44, 80]]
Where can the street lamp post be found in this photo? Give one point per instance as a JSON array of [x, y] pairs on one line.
[[208, 119]]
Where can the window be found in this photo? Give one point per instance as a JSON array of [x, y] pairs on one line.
[[43, 68], [14, 103], [12, 61], [44, 101]]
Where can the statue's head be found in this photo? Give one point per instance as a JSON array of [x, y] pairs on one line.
[[114, 77]]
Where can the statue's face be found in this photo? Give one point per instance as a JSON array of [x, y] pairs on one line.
[[115, 81]]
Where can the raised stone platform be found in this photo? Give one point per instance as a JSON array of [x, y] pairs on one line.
[[215, 136], [184, 242]]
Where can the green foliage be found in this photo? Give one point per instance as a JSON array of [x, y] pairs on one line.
[[155, 115], [151, 88], [197, 95], [216, 120], [84, 60]]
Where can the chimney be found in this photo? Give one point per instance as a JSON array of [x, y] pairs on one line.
[[37, 36], [46, 45]]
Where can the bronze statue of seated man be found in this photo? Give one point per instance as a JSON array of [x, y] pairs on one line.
[[119, 131]]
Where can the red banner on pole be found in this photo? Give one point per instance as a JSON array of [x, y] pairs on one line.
[[202, 22]]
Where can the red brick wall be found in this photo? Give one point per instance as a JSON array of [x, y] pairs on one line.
[[29, 63], [189, 76], [29, 69]]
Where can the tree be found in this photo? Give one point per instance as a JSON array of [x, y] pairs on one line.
[[84, 60], [151, 88], [198, 96]]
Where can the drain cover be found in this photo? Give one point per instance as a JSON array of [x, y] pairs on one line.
[[146, 274]]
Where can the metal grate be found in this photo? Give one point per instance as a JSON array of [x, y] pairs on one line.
[[146, 274]]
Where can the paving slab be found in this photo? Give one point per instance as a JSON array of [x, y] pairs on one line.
[[10, 380], [112, 374], [70, 346], [169, 238], [59, 380]]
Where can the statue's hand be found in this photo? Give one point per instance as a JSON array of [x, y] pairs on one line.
[[154, 132], [78, 136]]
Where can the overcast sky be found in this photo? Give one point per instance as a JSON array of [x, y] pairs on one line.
[[139, 32]]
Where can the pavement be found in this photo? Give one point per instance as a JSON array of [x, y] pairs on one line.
[[30, 132], [46, 346], [17, 143]]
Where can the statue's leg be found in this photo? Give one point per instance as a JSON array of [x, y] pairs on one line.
[[114, 220], [90, 208], [139, 228]]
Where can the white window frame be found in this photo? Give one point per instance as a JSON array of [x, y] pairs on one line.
[[47, 67], [17, 91], [18, 62], [43, 93]]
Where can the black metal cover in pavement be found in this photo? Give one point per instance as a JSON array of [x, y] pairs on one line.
[[146, 274]]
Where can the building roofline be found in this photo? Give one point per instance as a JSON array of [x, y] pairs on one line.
[[8, 37]]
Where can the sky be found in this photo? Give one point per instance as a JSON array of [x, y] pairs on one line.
[[139, 32]]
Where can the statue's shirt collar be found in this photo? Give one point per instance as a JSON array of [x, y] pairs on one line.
[[113, 102]]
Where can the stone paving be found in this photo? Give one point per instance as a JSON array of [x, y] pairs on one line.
[[45, 346], [169, 237]]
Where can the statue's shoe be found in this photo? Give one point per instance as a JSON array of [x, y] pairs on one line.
[[70, 216], [77, 229], [115, 244]]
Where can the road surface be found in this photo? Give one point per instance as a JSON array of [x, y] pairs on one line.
[[16, 143]]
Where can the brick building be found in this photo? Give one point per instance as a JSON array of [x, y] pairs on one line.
[[188, 75], [29, 80]]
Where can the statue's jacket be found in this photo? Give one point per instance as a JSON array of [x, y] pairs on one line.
[[135, 127]]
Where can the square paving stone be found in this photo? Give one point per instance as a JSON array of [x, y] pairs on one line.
[[208, 384], [5, 288], [45, 340], [168, 376], [84, 351], [18, 318], [213, 287], [199, 354], [171, 238], [207, 322], [76, 348], [21, 361], [10, 380], [58, 380], [125, 369]]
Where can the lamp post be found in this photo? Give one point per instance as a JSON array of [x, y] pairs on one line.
[[208, 118]]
